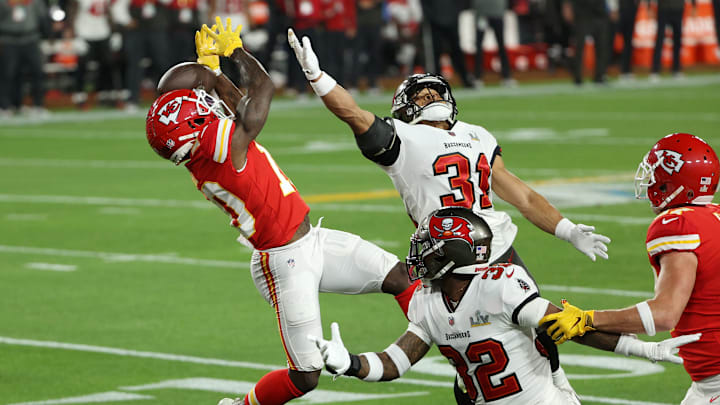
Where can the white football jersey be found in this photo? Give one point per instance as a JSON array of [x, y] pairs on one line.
[[489, 337], [439, 168], [91, 22]]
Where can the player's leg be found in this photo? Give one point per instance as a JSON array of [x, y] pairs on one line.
[[288, 279], [355, 266]]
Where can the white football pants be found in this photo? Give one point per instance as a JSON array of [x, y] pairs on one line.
[[290, 278]]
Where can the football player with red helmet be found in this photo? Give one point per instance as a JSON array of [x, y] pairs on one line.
[[680, 177], [482, 317], [292, 261]]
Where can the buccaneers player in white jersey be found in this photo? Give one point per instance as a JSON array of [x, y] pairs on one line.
[[482, 318], [292, 261], [680, 177], [436, 161]]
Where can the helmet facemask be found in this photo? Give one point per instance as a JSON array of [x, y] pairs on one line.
[[207, 104], [406, 109]]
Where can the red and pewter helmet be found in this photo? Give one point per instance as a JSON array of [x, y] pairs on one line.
[[680, 169], [177, 117], [449, 239]]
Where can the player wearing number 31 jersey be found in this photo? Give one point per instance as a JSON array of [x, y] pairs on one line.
[[436, 161], [292, 261]]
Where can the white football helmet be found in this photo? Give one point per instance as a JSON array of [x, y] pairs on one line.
[[405, 109]]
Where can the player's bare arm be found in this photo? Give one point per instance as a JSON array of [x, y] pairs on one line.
[[530, 203], [672, 292], [252, 108], [414, 348], [575, 324], [538, 210], [341, 103], [387, 365]]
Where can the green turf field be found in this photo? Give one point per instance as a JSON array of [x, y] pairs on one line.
[[119, 283]]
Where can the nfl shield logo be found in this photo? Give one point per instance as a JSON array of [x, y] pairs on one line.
[[291, 263], [451, 321]]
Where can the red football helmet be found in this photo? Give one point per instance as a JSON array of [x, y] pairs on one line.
[[679, 169], [177, 117]]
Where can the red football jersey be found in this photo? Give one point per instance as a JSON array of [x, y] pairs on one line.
[[263, 203], [694, 229]]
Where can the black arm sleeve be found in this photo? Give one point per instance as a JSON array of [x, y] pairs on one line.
[[380, 143]]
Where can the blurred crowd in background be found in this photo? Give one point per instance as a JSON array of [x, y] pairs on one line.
[[108, 52]]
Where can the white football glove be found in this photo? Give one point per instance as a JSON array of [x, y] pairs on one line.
[[305, 55], [654, 351], [583, 238], [334, 353]]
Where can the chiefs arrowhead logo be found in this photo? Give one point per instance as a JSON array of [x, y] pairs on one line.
[[669, 160]]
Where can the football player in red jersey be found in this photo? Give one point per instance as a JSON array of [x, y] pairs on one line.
[[292, 261], [680, 177]]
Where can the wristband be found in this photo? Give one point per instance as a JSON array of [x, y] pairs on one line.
[[375, 367], [563, 229], [646, 317], [323, 85], [354, 365], [624, 345], [399, 358]]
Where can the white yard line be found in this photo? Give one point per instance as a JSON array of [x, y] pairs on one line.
[[121, 257], [51, 266]]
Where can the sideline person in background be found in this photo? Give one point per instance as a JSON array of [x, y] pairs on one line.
[[22, 23], [669, 13], [292, 261], [89, 21], [589, 18], [490, 13], [680, 177]]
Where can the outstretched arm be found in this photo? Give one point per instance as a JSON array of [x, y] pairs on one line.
[[252, 108], [387, 365], [335, 97], [576, 324], [538, 210]]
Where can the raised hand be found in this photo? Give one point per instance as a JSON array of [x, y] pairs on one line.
[[206, 50], [226, 40]]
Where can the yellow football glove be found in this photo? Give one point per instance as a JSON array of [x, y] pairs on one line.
[[206, 50], [568, 323], [226, 40]]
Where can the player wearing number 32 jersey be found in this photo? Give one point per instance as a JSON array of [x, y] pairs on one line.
[[292, 261], [482, 319]]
